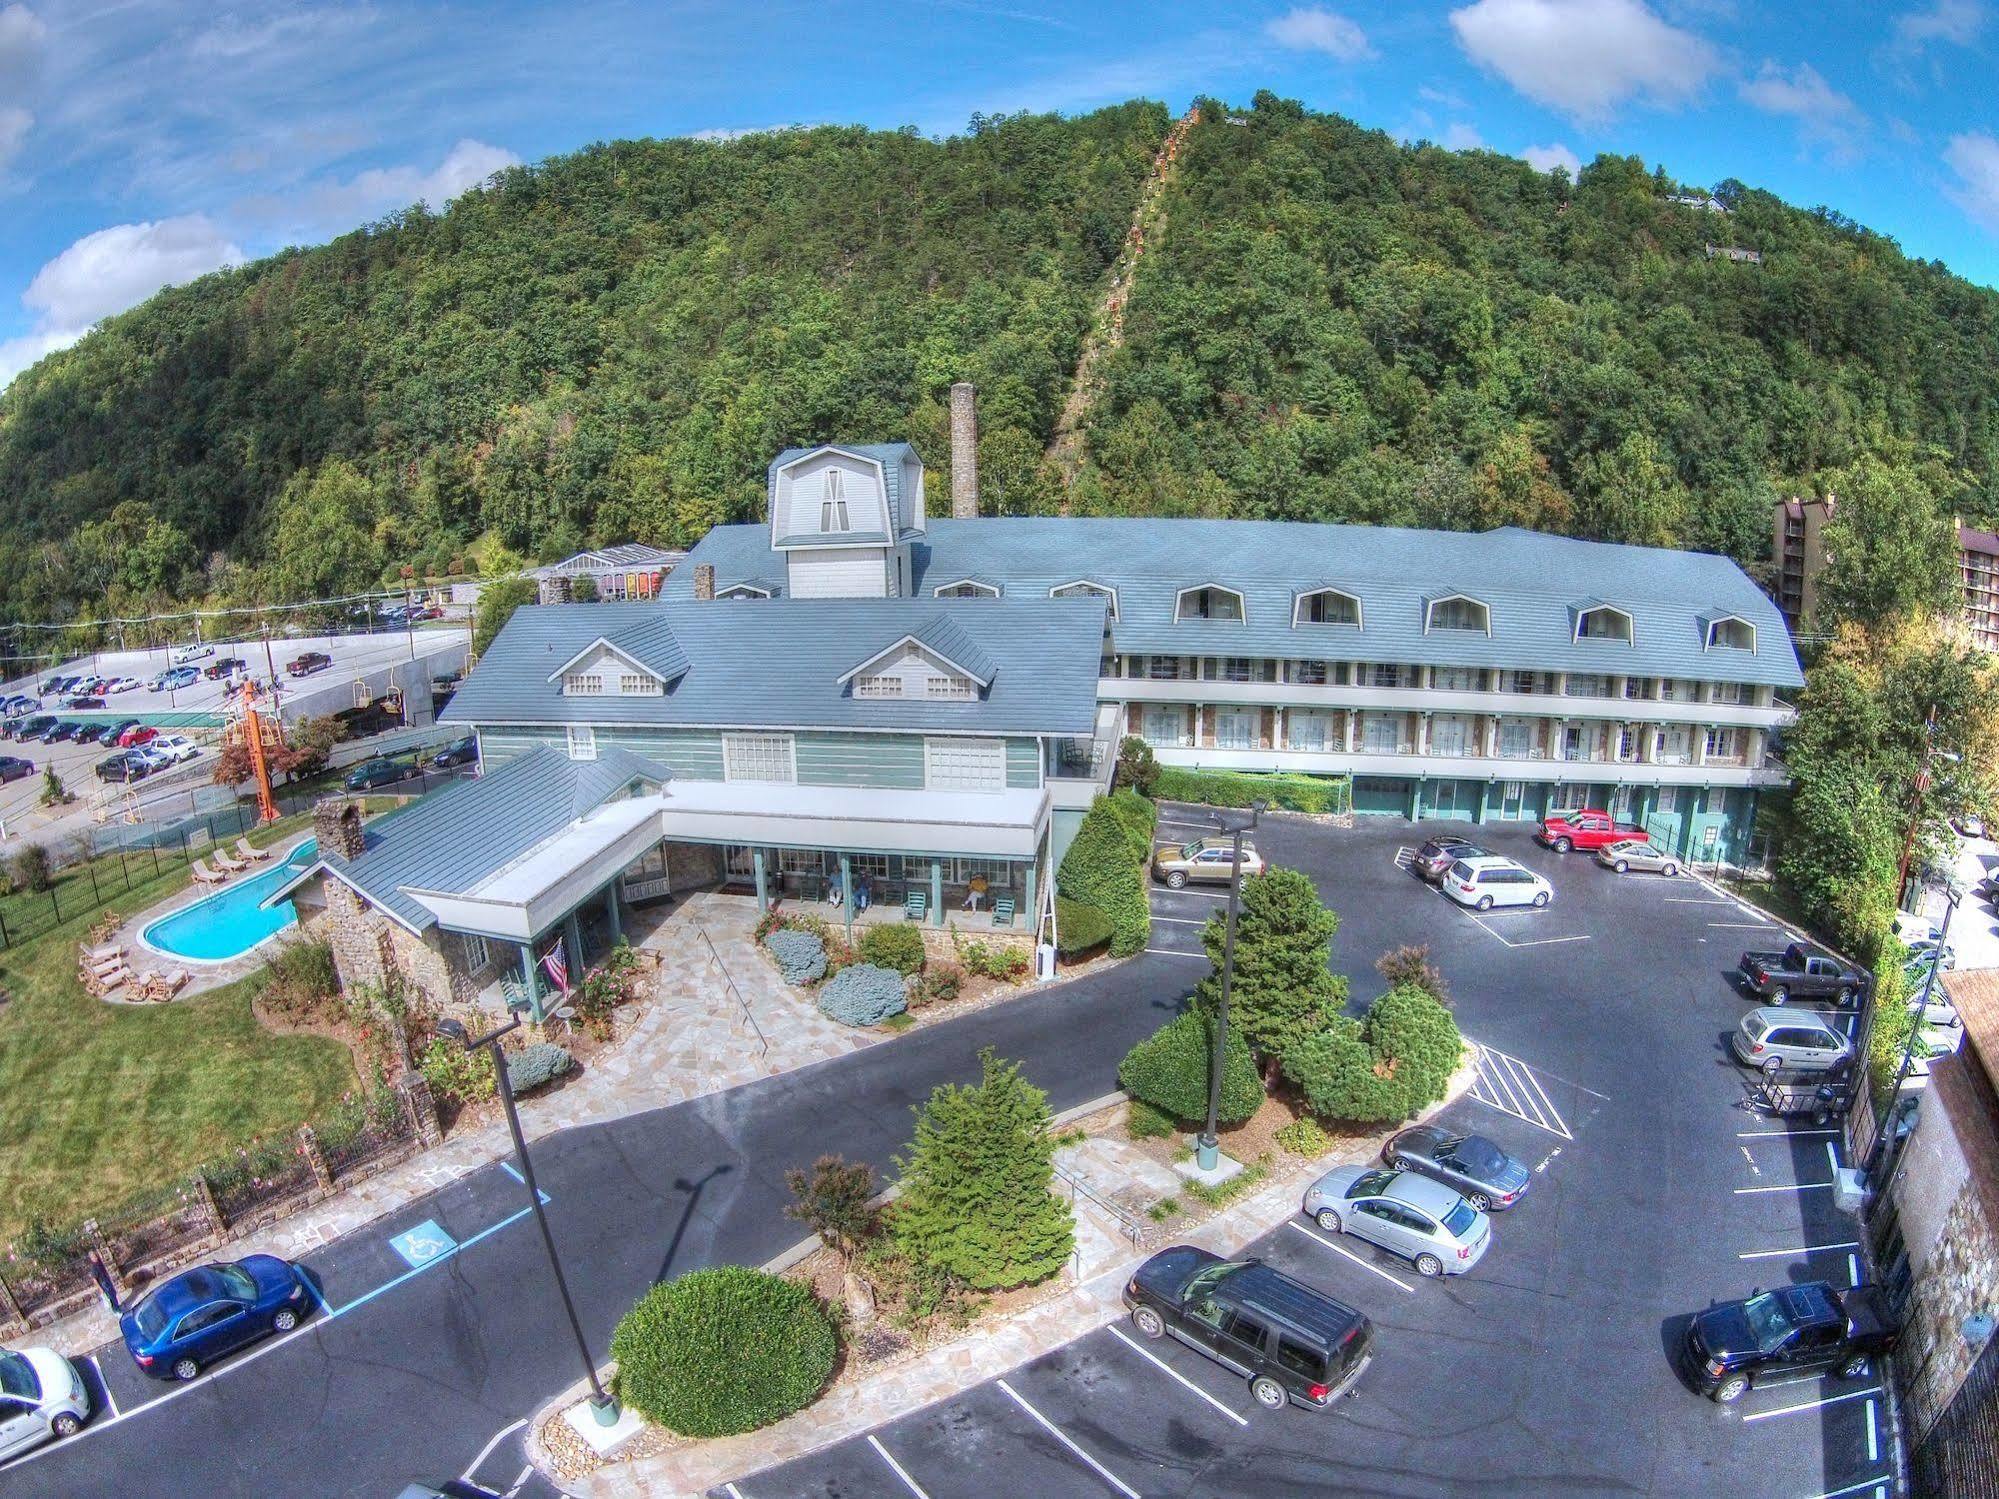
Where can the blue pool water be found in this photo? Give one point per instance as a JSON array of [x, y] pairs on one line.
[[231, 922]]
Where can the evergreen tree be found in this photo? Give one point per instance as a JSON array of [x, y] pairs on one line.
[[1283, 991], [976, 1200]]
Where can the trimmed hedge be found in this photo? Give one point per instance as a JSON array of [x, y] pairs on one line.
[[801, 957], [864, 995], [1106, 867], [1238, 788], [1079, 929], [534, 1066], [723, 1351], [1169, 1070], [1383, 1068], [899, 947]]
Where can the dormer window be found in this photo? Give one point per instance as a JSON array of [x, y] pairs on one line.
[[742, 591], [1210, 601], [1603, 622], [966, 588], [1728, 630], [833, 508], [1457, 612], [583, 684], [1083, 588], [1326, 606]]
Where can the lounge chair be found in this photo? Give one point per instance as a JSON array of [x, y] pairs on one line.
[[226, 864], [99, 954], [202, 873], [245, 850], [170, 982], [1003, 911], [915, 903], [101, 981], [113, 959]]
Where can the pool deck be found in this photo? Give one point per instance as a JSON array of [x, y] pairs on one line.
[[141, 955]]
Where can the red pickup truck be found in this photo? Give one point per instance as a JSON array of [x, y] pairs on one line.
[[1588, 828]]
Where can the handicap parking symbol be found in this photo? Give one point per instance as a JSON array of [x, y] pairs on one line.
[[423, 1244]]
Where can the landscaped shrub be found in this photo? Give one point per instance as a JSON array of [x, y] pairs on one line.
[[31, 869], [1304, 1137], [1384, 1068], [1143, 1122], [936, 986], [1137, 769], [1106, 867], [1410, 964], [1169, 1070], [301, 983], [1079, 929], [536, 1065], [899, 947], [1282, 991], [455, 1073], [835, 1200], [1411, 1026], [801, 956], [992, 960], [863, 995], [723, 1351], [1238, 788]]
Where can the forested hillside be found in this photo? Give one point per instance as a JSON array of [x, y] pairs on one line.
[[1333, 326]]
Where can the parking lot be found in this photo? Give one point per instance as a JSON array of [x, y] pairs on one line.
[[1601, 1024]]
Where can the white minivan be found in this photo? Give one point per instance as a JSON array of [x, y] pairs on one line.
[[1490, 881]]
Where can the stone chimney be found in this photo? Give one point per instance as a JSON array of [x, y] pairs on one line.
[[704, 580], [964, 451], [336, 823]]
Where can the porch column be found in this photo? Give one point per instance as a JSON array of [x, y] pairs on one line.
[[763, 892], [847, 895], [1699, 733], [1416, 799], [573, 931], [1346, 729], [531, 981], [611, 913], [1478, 812], [936, 892], [1031, 911]]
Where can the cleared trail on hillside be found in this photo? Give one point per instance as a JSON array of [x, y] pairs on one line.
[[1148, 222]]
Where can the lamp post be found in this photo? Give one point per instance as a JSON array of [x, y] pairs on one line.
[[1207, 1148], [1952, 895], [603, 1406]]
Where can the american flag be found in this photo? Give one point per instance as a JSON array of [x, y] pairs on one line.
[[557, 966]]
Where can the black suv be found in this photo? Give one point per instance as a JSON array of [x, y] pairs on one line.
[[1292, 1343]]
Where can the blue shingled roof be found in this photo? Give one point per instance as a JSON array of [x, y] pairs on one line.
[[1528, 580], [780, 665]]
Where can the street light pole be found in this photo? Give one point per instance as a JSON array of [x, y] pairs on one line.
[[1921, 1008], [1207, 1147], [603, 1406]]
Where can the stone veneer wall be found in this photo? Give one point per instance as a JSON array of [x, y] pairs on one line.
[[693, 866], [1959, 1277]]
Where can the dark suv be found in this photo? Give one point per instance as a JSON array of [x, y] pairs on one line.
[[1293, 1344]]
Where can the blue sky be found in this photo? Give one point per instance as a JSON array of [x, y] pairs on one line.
[[144, 143]]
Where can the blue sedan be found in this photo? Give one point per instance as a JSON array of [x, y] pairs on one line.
[[183, 1324]]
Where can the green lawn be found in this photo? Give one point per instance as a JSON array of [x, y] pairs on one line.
[[100, 1101]]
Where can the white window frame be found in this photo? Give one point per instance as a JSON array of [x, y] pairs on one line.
[[1629, 637], [945, 687], [1716, 624], [638, 684], [1236, 717], [1080, 587], [1180, 600], [582, 741], [1392, 722], [1393, 671], [583, 684], [878, 685], [1298, 607], [964, 588], [1464, 728], [1669, 799], [1725, 692], [741, 754], [736, 592], [1448, 678], [1155, 713], [1484, 609], [1525, 729], [478, 952], [930, 777], [833, 513], [1323, 722]]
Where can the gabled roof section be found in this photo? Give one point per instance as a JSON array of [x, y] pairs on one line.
[[947, 642], [970, 579], [1309, 590], [1582, 608], [647, 644], [890, 456], [1709, 618], [770, 588]]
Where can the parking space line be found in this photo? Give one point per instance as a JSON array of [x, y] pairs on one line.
[[734, 1492], [1172, 1373], [896, 1468], [1873, 1436], [1777, 1254], [487, 1450], [1496, 1082], [1811, 1405], [1790, 1187], [1853, 1269], [1832, 1153], [1540, 1093], [1204, 894], [109, 1398], [1179, 920], [1063, 1437], [1743, 926], [1880, 1486], [1779, 1134], [1174, 952], [1394, 1280], [520, 1481]]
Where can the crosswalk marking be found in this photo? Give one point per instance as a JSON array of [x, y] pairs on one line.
[[1508, 1084]]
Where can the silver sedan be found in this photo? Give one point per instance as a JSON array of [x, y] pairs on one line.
[[1422, 1220]]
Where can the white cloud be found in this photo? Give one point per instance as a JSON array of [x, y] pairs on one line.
[[1956, 22], [1318, 30], [1825, 116], [107, 272], [1547, 158], [1462, 137], [383, 189], [21, 35], [1584, 57], [14, 125], [1974, 157]]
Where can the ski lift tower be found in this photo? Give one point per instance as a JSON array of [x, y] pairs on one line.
[[255, 725]]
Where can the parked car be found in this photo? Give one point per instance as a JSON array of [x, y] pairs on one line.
[[1970, 824], [84, 703], [1489, 880], [124, 684], [1911, 928], [1424, 1221], [1204, 861], [1780, 1040], [1784, 1334], [69, 729], [224, 666], [35, 727], [1295, 1345], [135, 734], [150, 758], [308, 662], [122, 766], [99, 733], [1589, 828], [1799, 973], [179, 746], [1470, 1165], [41, 1397], [1628, 854], [13, 768], [110, 732], [463, 752], [1927, 950], [51, 684], [1438, 854], [174, 679], [181, 655], [381, 771], [191, 1319]]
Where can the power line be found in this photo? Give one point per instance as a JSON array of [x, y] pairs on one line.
[[147, 619]]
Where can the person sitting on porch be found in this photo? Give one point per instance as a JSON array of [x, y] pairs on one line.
[[975, 892], [834, 894], [863, 892]]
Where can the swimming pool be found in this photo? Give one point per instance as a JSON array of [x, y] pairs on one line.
[[230, 922]]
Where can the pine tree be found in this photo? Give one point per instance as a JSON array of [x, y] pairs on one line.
[[976, 1200], [1283, 992]]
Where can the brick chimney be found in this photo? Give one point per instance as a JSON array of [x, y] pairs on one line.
[[336, 823], [964, 451], [704, 580]]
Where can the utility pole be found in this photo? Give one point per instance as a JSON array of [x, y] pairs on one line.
[[1207, 1147], [1921, 1006]]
